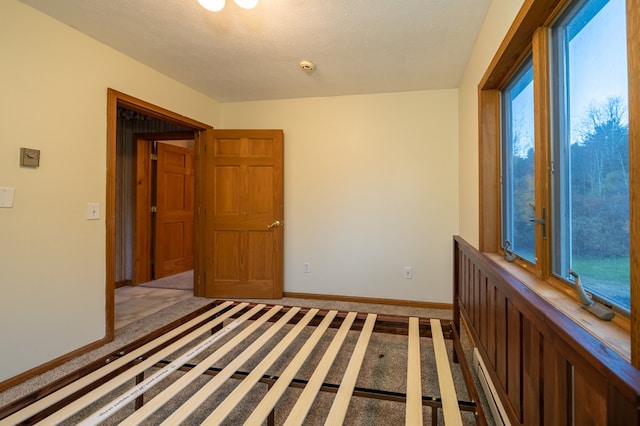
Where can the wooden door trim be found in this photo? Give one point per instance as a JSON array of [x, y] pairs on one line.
[[203, 133], [144, 186]]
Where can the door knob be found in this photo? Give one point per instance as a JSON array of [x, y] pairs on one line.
[[275, 224]]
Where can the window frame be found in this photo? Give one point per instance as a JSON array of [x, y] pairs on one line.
[[506, 150], [531, 34]]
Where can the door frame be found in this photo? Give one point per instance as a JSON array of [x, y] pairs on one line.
[[202, 134]]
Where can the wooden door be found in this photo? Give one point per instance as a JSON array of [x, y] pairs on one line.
[[175, 192], [244, 214]]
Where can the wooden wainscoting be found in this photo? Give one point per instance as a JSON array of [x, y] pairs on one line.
[[545, 367]]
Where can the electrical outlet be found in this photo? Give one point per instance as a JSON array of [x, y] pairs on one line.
[[93, 211], [408, 272], [306, 267]]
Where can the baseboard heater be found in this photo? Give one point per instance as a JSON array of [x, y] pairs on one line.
[[497, 409]]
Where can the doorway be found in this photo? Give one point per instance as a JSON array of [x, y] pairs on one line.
[[238, 207], [164, 206], [114, 224]]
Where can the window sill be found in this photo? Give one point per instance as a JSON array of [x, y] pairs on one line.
[[615, 333]]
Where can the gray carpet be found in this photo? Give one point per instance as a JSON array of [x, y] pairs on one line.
[[385, 353]]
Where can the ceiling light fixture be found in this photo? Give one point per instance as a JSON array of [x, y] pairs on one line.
[[218, 5], [246, 4]]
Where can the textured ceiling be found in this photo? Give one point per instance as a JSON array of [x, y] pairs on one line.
[[358, 46]]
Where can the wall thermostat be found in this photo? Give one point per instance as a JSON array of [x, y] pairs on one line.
[[29, 157]]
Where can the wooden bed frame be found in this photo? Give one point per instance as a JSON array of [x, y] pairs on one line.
[[545, 368], [190, 348]]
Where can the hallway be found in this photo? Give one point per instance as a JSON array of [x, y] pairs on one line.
[[134, 303]]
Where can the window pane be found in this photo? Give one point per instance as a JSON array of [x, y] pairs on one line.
[[591, 182], [518, 190]]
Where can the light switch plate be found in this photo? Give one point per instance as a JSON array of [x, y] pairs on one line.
[[29, 157], [6, 196]]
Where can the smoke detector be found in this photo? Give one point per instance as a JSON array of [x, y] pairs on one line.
[[307, 66]]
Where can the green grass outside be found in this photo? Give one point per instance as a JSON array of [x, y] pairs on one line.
[[608, 277]]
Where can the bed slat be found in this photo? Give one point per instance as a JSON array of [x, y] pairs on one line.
[[185, 410], [414, 378], [223, 410], [343, 397], [450, 408], [269, 401], [171, 391], [59, 395], [303, 405], [205, 392], [154, 379], [67, 411]]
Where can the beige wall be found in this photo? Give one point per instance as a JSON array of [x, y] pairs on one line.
[[497, 21], [373, 183], [370, 187], [52, 261]]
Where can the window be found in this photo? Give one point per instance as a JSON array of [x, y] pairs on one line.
[[518, 177], [590, 174], [585, 175]]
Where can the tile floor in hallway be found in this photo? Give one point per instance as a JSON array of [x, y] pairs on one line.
[[133, 303]]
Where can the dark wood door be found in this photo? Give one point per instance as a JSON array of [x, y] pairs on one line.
[[244, 214], [175, 185]]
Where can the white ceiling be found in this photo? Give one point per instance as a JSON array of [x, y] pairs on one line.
[[358, 46]]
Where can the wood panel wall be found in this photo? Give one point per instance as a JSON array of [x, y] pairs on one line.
[[546, 368]]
